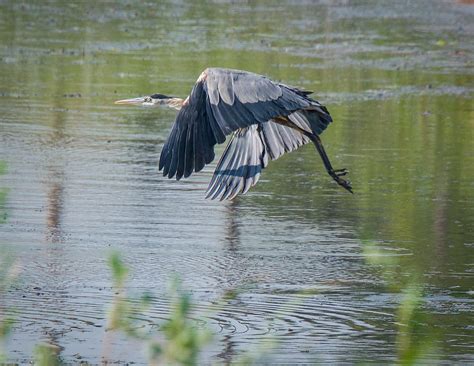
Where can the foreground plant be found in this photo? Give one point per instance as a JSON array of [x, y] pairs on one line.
[[46, 355], [413, 345], [6, 324], [8, 273], [177, 341]]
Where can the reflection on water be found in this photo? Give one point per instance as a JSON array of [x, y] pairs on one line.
[[82, 177], [55, 177]]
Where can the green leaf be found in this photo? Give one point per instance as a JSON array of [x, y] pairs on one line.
[[119, 270]]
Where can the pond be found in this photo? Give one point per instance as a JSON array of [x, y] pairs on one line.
[[323, 273]]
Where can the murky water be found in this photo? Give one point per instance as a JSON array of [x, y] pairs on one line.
[[320, 271]]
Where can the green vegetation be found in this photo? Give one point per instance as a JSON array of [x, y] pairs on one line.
[[413, 345], [6, 324], [46, 355], [177, 341], [412, 349], [3, 194], [8, 274], [3, 167], [399, 89]]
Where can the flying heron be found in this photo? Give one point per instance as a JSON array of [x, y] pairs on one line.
[[266, 120]]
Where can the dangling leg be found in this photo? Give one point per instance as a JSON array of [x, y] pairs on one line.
[[336, 174]]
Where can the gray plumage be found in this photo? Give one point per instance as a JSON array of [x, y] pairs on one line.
[[247, 153], [266, 119]]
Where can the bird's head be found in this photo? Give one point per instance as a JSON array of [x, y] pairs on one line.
[[154, 100]]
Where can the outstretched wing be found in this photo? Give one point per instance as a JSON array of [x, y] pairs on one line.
[[249, 151], [240, 165], [221, 102]]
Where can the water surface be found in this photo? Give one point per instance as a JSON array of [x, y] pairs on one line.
[[320, 271]]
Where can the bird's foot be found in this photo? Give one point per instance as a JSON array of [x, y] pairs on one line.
[[337, 174]]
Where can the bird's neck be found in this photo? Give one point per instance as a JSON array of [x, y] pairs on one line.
[[175, 103]]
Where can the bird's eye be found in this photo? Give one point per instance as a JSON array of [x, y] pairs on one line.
[[147, 100]]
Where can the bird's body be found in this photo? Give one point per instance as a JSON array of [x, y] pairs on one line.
[[265, 119]]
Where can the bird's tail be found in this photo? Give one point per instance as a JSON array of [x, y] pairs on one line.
[[317, 118]]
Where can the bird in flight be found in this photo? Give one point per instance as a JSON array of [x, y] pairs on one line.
[[265, 118]]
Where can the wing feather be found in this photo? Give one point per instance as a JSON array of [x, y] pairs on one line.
[[225, 87], [223, 101], [240, 165], [248, 153], [232, 159], [279, 139], [315, 120]]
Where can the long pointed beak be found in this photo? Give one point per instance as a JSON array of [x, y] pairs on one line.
[[133, 101]]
